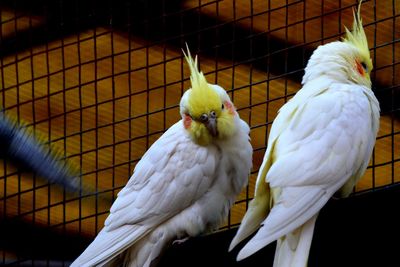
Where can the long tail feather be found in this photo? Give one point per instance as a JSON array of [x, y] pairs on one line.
[[293, 249], [108, 245]]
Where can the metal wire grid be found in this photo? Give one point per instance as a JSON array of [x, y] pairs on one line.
[[102, 81]]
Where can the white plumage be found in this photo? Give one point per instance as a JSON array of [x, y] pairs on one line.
[[178, 189], [320, 143]]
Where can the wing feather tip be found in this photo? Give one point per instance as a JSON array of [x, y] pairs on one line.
[[256, 243], [245, 252], [233, 244], [241, 235]]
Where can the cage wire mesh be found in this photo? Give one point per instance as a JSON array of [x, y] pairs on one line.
[[102, 80]]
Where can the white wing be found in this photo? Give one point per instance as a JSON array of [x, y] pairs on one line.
[[326, 142], [171, 176], [260, 206]]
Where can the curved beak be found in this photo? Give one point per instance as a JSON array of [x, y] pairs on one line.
[[211, 125]]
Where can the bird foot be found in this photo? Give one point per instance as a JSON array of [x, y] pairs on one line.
[[180, 241]]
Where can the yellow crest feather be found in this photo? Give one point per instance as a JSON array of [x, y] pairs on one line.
[[197, 78], [202, 98], [357, 36]]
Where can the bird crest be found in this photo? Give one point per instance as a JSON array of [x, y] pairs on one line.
[[357, 36], [202, 97]]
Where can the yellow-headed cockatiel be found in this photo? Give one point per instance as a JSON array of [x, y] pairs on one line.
[[320, 143], [184, 184]]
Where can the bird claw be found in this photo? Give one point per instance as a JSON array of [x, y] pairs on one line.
[[180, 241]]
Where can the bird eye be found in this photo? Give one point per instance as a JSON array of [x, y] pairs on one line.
[[203, 117], [222, 107], [213, 114], [364, 66]]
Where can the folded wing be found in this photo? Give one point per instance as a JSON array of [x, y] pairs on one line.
[[170, 177]]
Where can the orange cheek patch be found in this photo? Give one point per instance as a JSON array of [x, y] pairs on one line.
[[230, 107], [359, 68], [187, 121]]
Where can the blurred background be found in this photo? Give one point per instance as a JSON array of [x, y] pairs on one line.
[[101, 81]]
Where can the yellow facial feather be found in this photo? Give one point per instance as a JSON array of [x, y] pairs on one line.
[[358, 39], [202, 98]]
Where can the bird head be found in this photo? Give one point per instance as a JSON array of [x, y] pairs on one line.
[[206, 109], [347, 61]]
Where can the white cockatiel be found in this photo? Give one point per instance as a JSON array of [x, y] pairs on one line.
[[184, 184], [319, 144]]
